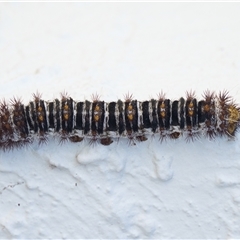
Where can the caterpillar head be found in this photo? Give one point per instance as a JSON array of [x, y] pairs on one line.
[[233, 119]]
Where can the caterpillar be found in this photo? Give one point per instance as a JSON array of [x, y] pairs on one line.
[[101, 122]]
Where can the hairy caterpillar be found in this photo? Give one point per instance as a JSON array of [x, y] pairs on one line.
[[215, 114]]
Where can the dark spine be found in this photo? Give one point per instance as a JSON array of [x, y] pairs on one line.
[[70, 118], [121, 125], [25, 126], [135, 116], [175, 120], [145, 115], [101, 119], [112, 124], [188, 118], [58, 116], [51, 115], [79, 121], [44, 122], [87, 117], [201, 115], [168, 114], [182, 118], [154, 116], [194, 117]]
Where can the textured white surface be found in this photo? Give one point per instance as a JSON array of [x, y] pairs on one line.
[[151, 190]]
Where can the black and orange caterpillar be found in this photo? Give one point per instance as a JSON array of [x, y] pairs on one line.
[[216, 114]]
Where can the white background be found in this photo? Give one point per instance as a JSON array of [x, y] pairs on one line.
[[151, 190]]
